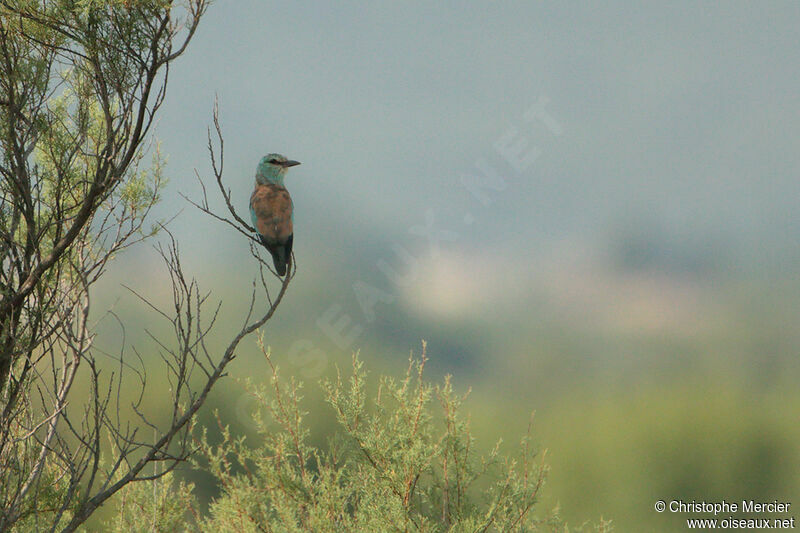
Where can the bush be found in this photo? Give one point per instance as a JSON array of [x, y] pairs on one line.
[[403, 460]]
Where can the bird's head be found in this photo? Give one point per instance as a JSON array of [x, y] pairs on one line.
[[272, 168]]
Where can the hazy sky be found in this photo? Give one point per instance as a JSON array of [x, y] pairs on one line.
[[684, 118]]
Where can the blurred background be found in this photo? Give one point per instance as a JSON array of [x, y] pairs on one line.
[[590, 211]]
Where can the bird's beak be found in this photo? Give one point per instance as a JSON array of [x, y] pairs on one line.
[[290, 163]]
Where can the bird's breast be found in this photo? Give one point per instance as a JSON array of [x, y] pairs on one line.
[[271, 206]]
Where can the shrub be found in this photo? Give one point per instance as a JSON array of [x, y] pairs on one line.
[[403, 460]]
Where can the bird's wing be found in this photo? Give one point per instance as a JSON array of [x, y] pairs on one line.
[[271, 211]]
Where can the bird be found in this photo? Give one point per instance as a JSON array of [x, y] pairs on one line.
[[271, 209]]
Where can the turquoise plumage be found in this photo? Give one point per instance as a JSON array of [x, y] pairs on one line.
[[272, 211]]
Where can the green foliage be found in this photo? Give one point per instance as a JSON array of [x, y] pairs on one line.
[[155, 506], [48, 494], [81, 82], [403, 460]]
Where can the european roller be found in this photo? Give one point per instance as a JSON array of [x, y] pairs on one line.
[[271, 209]]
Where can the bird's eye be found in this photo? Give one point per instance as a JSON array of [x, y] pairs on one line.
[[273, 161]]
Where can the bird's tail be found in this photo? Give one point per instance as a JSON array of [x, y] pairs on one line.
[[279, 259], [280, 253]]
